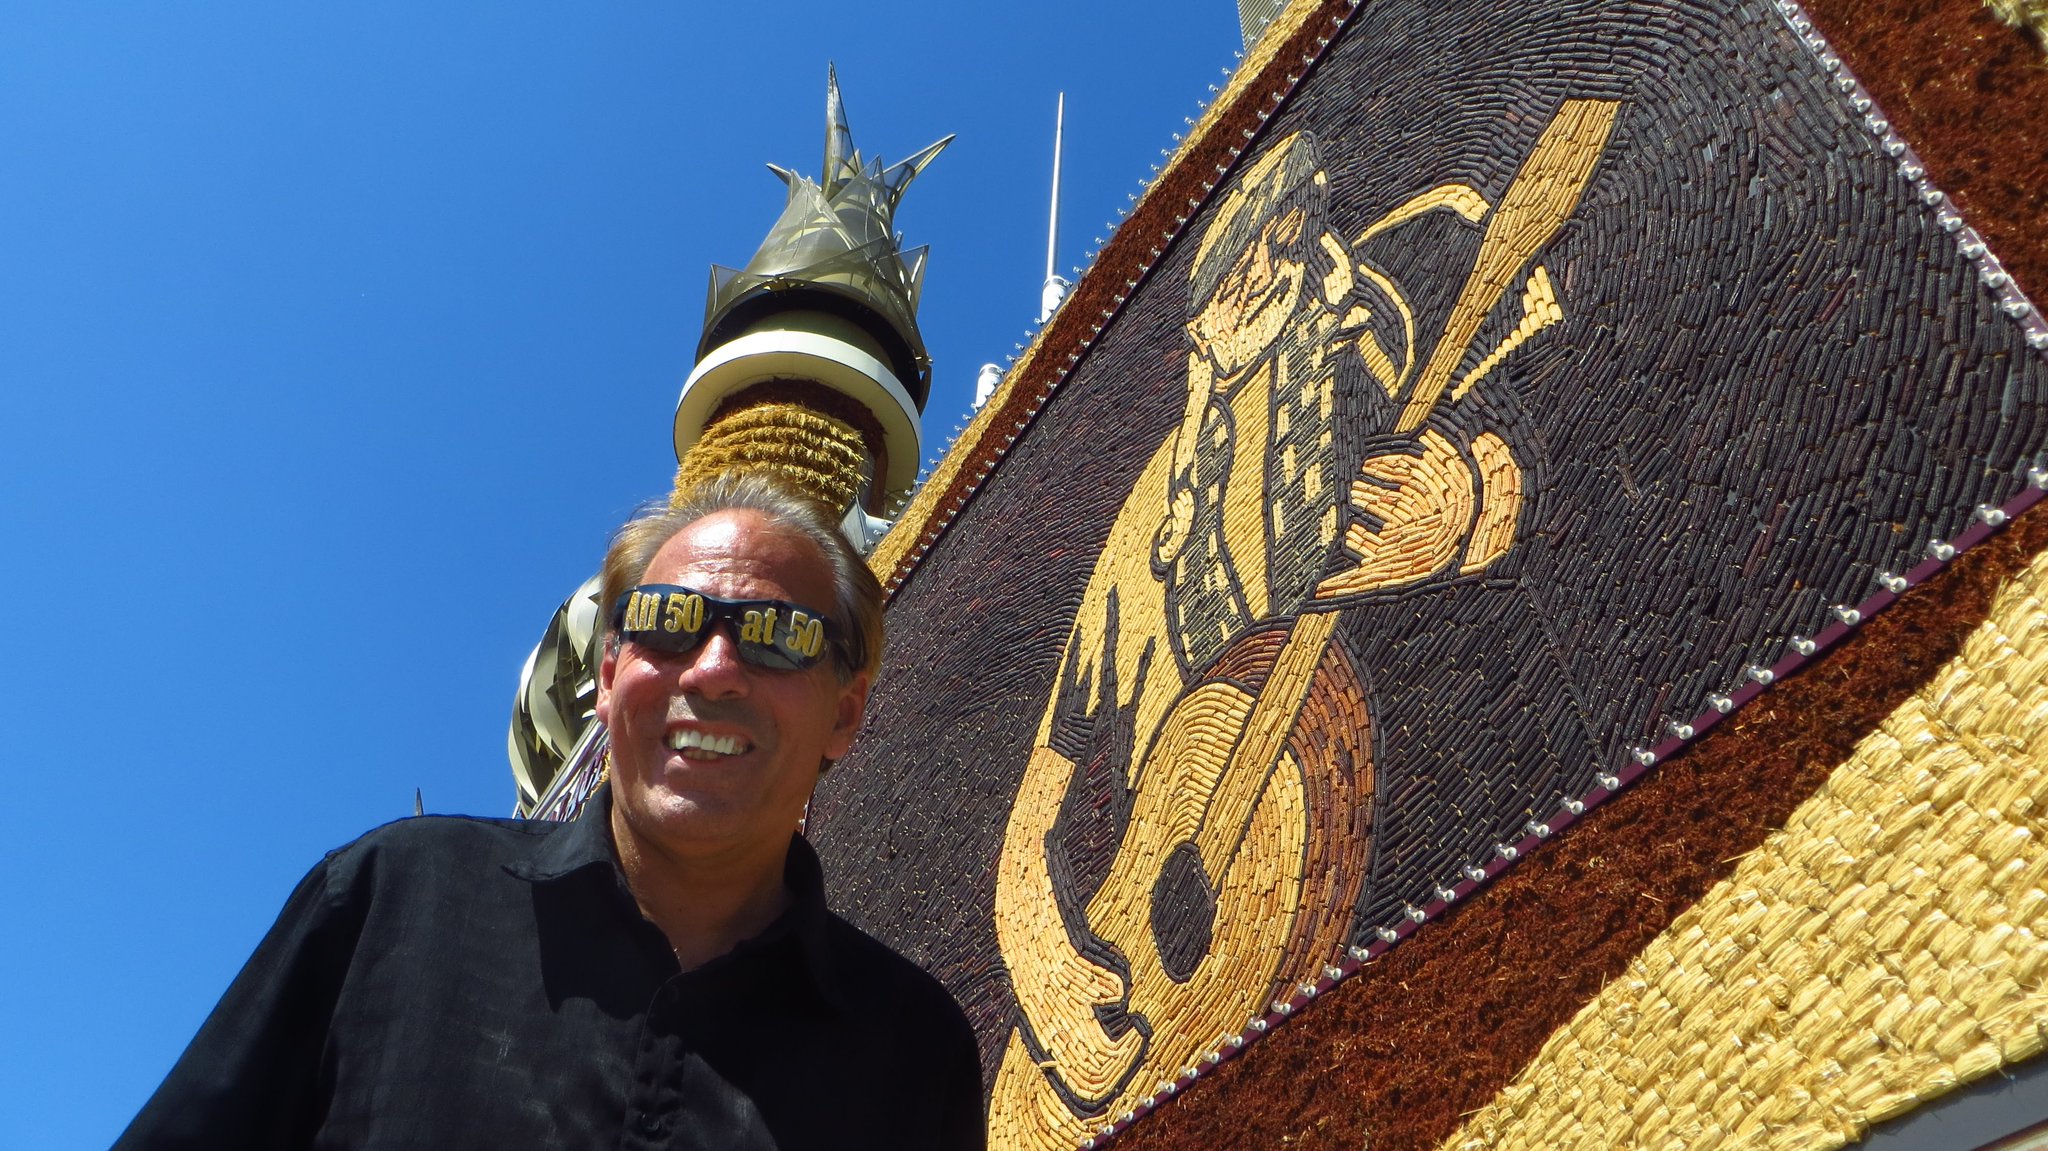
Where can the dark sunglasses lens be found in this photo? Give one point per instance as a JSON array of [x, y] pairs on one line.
[[768, 633], [779, 635], [770, 657]]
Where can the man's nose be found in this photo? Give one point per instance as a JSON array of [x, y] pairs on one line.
[[715, 669]]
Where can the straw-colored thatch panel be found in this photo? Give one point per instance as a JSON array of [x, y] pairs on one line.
[[1889, 944]]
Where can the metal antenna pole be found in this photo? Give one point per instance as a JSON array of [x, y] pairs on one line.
[[1055, 289], [1052, 231]]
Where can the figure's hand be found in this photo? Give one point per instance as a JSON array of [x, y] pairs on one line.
[[1421, 502], [1418, 508]]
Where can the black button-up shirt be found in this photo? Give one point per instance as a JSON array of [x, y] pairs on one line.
[[448, 983]]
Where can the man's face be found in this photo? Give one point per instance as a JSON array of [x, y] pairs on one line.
[[1254, 301], [711, 756]]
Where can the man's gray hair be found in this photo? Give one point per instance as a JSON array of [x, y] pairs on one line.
[[856, 611]]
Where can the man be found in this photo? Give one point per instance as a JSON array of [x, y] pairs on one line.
[[662, 972]]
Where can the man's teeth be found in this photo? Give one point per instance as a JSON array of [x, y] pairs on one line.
[[687, 740]]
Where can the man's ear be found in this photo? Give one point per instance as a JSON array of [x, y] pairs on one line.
[[853, 702], [606, 668]]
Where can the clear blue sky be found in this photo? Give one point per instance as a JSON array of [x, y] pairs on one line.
[[333, 339]]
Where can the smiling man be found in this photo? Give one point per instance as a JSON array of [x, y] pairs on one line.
[[728, 686], [662, 972]]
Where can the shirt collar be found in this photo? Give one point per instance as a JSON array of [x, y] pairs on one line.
[[586, 842]]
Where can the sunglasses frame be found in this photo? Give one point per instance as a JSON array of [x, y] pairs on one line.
[[676, 620]]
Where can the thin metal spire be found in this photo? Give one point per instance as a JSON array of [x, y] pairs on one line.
[[841, 160]]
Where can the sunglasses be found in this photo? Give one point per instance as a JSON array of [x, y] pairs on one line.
[[768, 633]]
